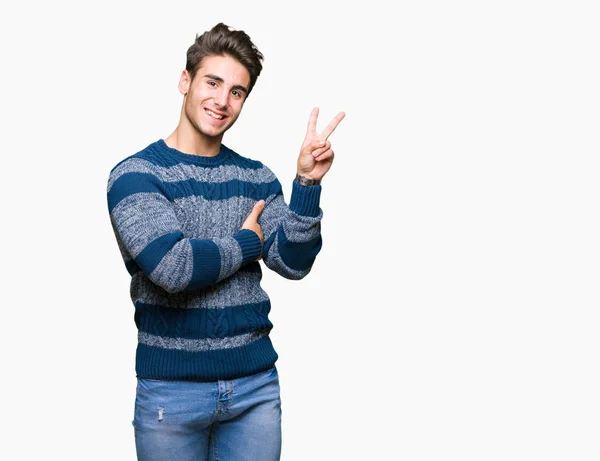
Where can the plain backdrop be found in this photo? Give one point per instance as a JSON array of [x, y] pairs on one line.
[[453, 312]]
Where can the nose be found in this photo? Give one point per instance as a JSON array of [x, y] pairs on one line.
[[221, 99]]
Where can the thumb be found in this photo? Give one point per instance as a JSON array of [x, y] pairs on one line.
[[257, 209]]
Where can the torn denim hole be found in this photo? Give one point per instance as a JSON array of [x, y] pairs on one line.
[[161, 410]]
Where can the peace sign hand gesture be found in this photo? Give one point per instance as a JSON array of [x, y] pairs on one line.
[[316, 155]]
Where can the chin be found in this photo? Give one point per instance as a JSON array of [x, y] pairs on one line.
[[208, 130], [212, 133]]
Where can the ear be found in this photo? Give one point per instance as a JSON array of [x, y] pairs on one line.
[[184, 82]]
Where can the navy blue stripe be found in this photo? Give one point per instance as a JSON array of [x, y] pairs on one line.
[[202, 323], [221, 190], [253, 267], [298, 256], [305, 199], [250, 245], [207, 263], [170, 364], [268, 243], [132, 267], [156, 250], [131, 183]]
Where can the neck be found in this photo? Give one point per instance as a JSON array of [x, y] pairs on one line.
[[188, 140]]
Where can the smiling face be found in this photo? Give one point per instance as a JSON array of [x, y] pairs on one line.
[[214, 99]]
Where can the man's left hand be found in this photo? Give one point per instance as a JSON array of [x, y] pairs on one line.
[[316, 155]]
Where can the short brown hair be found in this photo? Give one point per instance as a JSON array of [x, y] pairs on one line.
[[221, 40]]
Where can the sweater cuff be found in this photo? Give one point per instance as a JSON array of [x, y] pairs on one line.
[[305, 199], [250, 244]]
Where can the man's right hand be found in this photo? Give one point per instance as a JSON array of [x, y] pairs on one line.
[[251, 221]]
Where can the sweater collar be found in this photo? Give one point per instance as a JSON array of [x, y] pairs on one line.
[[190, 158]]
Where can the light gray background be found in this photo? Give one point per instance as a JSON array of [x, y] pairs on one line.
[[453, 310]]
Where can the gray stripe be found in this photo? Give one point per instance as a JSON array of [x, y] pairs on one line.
[[198, 345], [231, 256], [301, 228], [124, 253], [184, 172], [240, 288], [209, 219], [158, 220], [297, 228], [134, 165], [175, 270], [273, 214]]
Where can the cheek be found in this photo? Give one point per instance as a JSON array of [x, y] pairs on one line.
[[237, 108], [196, 96]]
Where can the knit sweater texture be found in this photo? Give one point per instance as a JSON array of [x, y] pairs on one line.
[[200, 310]]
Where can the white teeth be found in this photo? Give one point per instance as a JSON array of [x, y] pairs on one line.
[[213, 115]]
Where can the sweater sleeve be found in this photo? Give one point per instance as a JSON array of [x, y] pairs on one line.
[[151, 239], [292, 233]]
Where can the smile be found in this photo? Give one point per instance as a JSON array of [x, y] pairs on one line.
[[214, 115]]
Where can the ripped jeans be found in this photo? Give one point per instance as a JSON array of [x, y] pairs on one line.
[[238, 419]]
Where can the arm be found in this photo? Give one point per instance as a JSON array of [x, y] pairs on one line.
[[151, 238], [293, 234]]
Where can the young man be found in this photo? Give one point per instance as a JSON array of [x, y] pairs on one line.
[[192, 219]]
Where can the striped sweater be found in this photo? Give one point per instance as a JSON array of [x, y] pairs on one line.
[[200, 311]]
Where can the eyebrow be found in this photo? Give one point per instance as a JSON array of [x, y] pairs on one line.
[[219, 79]]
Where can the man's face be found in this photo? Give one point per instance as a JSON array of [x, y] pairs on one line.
[[215, 97]]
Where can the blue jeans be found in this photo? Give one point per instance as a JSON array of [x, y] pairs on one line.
[[232, 420]]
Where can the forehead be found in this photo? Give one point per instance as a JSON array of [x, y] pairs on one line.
[[229, 69]]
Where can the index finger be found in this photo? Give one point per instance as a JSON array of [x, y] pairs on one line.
[[332, 125]]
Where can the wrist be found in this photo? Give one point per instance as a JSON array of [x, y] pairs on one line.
[[306, 180], [304, 200]]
